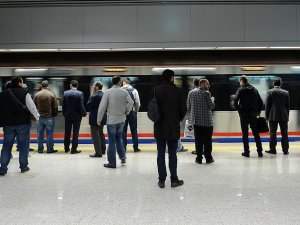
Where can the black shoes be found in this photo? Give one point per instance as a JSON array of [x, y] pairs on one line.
[[260, 154], [246, 154], [176, 183], [107, 165], [182, 149], [123, 161], [53, 151], [67, 150], [2, 173], [198, 161], [161, 184], [25, 170], [194, 152], [271, 152], [95, 156], [211, 160], [286, 152], [75, 151], [137, 150]]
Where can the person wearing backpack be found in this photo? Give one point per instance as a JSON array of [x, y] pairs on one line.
[[172, 108], [131, 118]]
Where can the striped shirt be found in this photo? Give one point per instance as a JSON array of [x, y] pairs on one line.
[[199, 106]]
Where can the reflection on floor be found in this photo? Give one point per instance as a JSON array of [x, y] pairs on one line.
[[76, 189]]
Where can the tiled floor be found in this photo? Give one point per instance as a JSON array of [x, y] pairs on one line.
[[75, 189]]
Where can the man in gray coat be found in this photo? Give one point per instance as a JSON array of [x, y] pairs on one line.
[[277, 112]]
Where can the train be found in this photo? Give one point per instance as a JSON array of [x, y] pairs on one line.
[[224, 81]]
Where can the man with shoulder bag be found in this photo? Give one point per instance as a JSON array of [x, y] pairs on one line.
[[16, 123]]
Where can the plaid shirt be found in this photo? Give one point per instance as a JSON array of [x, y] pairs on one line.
[[199, 106]]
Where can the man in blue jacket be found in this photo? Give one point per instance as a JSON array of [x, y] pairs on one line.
[[73, 111], [96, 130]]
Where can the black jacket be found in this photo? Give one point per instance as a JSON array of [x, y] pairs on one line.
[[92, 107], [248, 100], [277, 105], [11, 112], [172, 104], [72, 105]]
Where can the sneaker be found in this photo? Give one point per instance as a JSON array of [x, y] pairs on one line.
[[246, 154], [25, 170], [123, 161], [161, 184], [176, 183]]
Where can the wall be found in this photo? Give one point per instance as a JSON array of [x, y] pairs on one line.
[[184, 25]]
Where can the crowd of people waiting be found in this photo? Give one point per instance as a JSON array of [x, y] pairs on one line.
[[117, 108]]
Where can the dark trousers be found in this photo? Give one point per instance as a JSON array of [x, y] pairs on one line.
[[246, 120], [98, 139], [203, 140], [284, 135], [161, 163], [68, 127], [131, 119]]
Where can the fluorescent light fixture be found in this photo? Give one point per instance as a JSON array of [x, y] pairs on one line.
[[295, 67], [3, 50], [84, 49], [240, 48], [191, 48], [185, 70], [31, 70], [136, 49], [32, 50], [286, 47]]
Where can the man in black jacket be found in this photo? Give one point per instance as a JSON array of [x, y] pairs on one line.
[[277, 112], [249, 105], [172, 105], [96, 130], [15, 119]]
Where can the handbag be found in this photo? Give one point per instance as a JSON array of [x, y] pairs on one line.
[[262, 125], [153, 112], [32, 118], [188, 130]]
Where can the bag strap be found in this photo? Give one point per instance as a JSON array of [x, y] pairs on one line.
[[18, 101]]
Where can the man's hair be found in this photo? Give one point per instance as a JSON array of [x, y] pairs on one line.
[[167, 75], [45, 83], [74, 83], [15, 81], [244, 79], [202, 81], [116, 79], [277, 81], [99, 85], [127, 80], [8, 85], [196, 82]]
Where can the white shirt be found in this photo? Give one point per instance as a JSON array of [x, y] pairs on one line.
[[137, 102]]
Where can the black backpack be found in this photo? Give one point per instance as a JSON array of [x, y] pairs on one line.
[[153, 110]]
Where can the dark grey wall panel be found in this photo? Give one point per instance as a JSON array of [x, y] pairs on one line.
[[271, 23], [110, 24], [217, 23], [15, 25], [57, 25], [164, 23]]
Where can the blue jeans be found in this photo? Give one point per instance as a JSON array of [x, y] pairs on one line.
[[131, 119], [115, 141], [48, 124], [161, 163], [22, 133]]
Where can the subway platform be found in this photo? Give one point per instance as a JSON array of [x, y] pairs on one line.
[[76, 189]]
